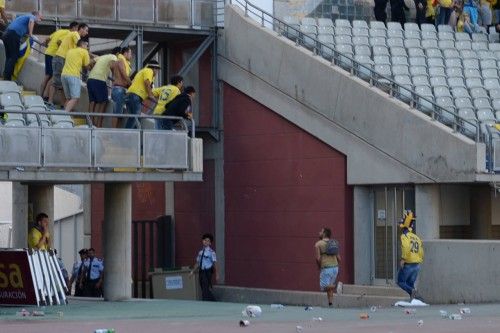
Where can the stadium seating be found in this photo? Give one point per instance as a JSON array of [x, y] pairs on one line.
[[455, 70], [11, 99]]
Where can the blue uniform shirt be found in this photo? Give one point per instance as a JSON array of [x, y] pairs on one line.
[[76, 268], [96, 269], [208, 260], [20, 24]]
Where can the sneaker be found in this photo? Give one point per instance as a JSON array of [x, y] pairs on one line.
[[415, 295]]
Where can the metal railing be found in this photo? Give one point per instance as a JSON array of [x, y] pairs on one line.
[[40, 144], [446, 115], [190, 13]]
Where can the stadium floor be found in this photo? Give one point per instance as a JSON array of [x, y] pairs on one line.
[[149, 316]]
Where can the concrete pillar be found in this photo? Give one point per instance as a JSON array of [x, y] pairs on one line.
[[117, 236], [87, 215], [19, 215], [170, 211], [428, 210], [363, 226], [41, 200]]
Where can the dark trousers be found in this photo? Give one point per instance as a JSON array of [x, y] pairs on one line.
[[11, 41], [79, 291], [206, 285], [380, 10], [420, 15], [398, 12], [90, 289]]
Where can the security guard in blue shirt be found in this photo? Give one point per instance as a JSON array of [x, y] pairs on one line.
[[94, 274], [205, 262], [77, 273]]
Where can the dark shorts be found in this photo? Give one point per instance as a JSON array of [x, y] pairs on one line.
[[98, 91], [48, 65], [57, 67]]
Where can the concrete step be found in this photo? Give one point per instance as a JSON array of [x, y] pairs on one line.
[[299, 298], [352, 289]]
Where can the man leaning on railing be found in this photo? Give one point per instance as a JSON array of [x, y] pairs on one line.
[[20, 27]]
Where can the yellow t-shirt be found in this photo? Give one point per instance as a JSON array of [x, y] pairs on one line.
[[430, 10], [164, 95], [128, 68], [138, 87], [67, 43], [2, 3], [34, 237], [75, 60], [412, 249], [445, 3], [326, 260], [54, 38], [101, 68]]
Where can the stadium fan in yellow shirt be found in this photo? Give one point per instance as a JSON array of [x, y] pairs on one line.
[[412, 255], [139, 90], [52, 44], [76, 60], [165, 95], [39, 236], [67, 43]]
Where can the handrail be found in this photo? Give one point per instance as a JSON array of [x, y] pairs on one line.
[[88, 118], [192, 12], [354, 66]]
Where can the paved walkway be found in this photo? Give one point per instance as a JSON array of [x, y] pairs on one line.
[[150, 316]]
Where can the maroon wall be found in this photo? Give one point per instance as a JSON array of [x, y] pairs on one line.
[[194, 215], [282, 186]]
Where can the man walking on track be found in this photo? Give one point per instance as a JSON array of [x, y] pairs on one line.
[[327, 259]]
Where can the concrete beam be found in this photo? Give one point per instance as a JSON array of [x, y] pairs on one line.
[[82, 177], [117, 234]]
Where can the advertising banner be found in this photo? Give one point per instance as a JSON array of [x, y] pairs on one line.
[[16, 282]]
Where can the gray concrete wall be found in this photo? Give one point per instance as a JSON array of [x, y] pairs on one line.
[[363, 229], [460, 271], [385, 141]]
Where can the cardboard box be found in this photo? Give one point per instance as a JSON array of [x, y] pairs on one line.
[[176, 285]]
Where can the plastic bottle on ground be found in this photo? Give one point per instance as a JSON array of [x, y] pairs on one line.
[[277, 306]]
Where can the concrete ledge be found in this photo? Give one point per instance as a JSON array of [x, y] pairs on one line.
[[81, 177], [442, 277], [291, 297]]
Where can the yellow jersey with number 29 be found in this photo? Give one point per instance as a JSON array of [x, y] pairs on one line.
[[412, 249]]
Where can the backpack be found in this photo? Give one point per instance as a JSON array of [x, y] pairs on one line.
[[332, 248]]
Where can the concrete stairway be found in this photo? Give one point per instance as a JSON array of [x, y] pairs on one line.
[[352, 296]]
